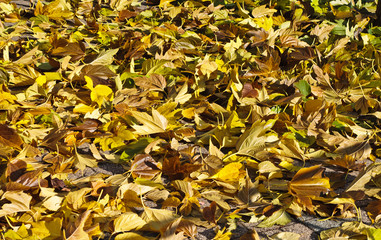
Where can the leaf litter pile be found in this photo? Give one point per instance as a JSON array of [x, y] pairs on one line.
[[213, 113]]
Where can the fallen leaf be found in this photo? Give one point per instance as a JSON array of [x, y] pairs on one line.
[[144, 166]]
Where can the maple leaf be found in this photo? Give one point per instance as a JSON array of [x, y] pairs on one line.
[[155, 124], [308, 184]]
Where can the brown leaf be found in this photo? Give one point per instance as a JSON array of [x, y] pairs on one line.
[[374, 209], [155, 82], [290, 58], [249, 91], [359, 149], [52, 140], [170, 231], [258, 37], [27, 181], [15, 169], [75, 49], [209, 213], [322, 32], [321, 76], [82, 228], [100, 74], [252, 235], [126, 14], [90, 125], [59, 185], [100, 187], [347, 162], [133, 49], [173, 168], [363, 105], [144, 166], [9, 137], [248, 192]]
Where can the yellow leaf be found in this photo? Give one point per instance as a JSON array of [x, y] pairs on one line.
[[20, 202], [165, 3], [158, 219], [129, 236], [128, 222], [80, 233], [83, 108], [48, 229], [6, 98], [89, 83], [234, 121], [99, 93], [82, 161], [207, 67], [309, 182], [182, 97], [221, 66], [188, 113], [264, 22], [76, 199], [53, 203], [21, 233], [222, 236], [41, 80], [231, 172]]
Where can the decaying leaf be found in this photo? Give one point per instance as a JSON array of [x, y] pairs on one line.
[[209, 213], [144, 166], [9, 137]]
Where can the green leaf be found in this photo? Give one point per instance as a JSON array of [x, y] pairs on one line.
[[304, 87], [130, 150], [373, 233]]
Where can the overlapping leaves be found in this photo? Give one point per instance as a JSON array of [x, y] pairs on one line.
[[209, 112]]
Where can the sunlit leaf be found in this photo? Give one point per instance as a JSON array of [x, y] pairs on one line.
[[231, 172], [309, 182], [155, 124], [157, 219], [279, 217], [128, 222], [19, 202]]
